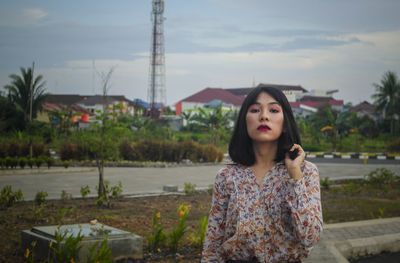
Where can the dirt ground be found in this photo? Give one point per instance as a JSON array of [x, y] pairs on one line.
[[135, 215]]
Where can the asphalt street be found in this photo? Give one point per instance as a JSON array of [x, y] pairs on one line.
[[151, 180]]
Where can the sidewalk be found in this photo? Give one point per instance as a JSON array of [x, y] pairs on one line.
[[351, 240]]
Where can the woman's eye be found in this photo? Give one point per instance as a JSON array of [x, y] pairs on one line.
[[254, 110], [274, 110]]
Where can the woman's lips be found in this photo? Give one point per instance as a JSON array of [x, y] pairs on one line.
[[263, 128]]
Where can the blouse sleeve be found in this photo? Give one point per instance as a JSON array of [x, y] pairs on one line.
[[216, 220], [305, 204]]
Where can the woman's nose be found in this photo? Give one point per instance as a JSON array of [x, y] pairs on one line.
[[264, 115]]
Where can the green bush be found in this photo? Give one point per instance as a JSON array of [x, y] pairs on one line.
[[66, 164], [13, 149], [40, 197], [39, 149], [312, 148], [2, 163], [380, 177], [85, 190], [39, 161], [394, 146], [3, 150], [189, 188], [22, 161], [8, 197], [50, 161], [11, 162], [129, 152], [31, 162]]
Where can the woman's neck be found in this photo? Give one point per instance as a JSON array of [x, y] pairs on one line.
[[265, 153]]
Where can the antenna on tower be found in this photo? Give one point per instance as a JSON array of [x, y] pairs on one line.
[[156, 92]]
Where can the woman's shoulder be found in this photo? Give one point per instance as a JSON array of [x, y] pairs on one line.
[[309, 165], [231, 168]]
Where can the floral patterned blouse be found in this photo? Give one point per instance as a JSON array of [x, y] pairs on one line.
[[278, 220]]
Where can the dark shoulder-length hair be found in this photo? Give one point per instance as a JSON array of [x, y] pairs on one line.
[[241, 146]]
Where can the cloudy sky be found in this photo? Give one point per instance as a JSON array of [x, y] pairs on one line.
[[333, 44]]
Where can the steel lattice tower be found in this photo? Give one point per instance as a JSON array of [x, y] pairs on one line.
[[156, 92]]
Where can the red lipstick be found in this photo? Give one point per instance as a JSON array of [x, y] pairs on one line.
[[263, 128]]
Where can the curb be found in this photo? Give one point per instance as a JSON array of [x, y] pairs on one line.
[[351, 155]]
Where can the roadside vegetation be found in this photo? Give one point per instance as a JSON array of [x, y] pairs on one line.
[[173, 226]]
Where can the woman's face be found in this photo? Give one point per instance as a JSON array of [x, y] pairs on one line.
[[264, 119]]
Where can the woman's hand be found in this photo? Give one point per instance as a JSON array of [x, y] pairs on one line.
[[294, 166]]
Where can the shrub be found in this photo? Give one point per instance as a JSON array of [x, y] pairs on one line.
[[197, 238], [380, 177], [31, 162], [189, 188], [50, 161], [176, 235], [68, 151], [325, 183], [85, 191], [394, 146], [3, 150], [129, 152], [13, 149], [39, 161], [8, 197], [2, 163], [22, 161], [157, 237], [40, 197], [116, 190], [66, 164], [99, 253], [65, 196], [66, 249], [39, 149]]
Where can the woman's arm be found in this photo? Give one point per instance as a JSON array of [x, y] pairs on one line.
[[216, 220], [305, 203]]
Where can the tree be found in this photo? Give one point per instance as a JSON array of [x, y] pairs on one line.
[[27, 93], [213, 121], [387, 97]]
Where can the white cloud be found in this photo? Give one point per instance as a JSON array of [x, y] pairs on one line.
[[34, 13]]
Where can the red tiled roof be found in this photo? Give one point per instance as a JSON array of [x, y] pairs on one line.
[[75, 108], [209, 94]]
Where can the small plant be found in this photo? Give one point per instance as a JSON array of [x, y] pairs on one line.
[[99, 231], [31, 162], [99, 253], [61, 213], [380, 215], [325, 183], [38, 212], [39, 161], [40, 197], [66, 164], [157, 238], [22, 162], [8, 197], [116, 190], [100, 201], [66, 249], [177, 233], [85, 190], [380, 177], [352, 188], [189, 188], [197, 238], [65, 196], [50, 161], [29, 253]]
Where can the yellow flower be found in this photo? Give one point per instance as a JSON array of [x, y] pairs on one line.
[[158, 215], [27, 253], [353, 131], [326, 128], [181, 213], [72, 260]]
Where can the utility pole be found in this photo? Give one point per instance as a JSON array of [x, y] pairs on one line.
[[156, 92]]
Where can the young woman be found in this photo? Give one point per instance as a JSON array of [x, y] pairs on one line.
[[266, 205]]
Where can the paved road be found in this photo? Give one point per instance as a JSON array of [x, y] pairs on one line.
[[145, 180]]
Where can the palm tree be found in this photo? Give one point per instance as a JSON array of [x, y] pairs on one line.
[[27, 93], [387, 97]]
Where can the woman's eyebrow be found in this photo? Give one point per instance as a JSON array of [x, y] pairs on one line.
[[270, 103]]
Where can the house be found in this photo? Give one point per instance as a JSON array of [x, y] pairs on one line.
[[229, 99], [207, 95], [366, 108]]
